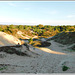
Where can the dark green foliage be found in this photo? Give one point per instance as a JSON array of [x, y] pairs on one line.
[[25, 27], [44, 44], [40, 43], [65, 68], [72, 48], [40, 26], [20, 27], [2, 68], [30, 40], [11, 26]]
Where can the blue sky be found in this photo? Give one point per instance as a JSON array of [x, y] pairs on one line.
[[37, 12]]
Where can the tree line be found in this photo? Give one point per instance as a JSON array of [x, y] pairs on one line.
[[39, 30]]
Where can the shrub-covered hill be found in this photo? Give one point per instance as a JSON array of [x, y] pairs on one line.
[[65, 38], [35, 31]]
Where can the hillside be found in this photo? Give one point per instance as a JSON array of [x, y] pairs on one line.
[[23, 35], [35, 31], [8, 40], [36, 60], [65, 38], [28, 59]]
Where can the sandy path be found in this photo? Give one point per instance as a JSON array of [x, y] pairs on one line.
[[60, 48], [48, 61], [56, 48], [53, 52]]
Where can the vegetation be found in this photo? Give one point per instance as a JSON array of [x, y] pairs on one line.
[[40, 43], [65, 68], [39, 30], [12, 50], [2, 68], [65, 38], [62, 34], [30, 40], [72, 49]]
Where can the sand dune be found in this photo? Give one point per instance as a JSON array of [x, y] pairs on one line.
[[41, 60], [8, 40]]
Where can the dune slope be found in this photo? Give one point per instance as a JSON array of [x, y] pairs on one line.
[[48, 60], [40, 60], [8, 40]]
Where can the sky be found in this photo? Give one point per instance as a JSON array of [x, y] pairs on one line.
[[37, 12]]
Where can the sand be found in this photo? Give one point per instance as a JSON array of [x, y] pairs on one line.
[[42, 60], [6, 39], [48, 60]]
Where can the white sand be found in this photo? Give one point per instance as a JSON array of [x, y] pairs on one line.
[[46, 62], [6, 39]]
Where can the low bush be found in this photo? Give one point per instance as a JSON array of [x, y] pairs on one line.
[[12, 50], [40, 43], [65, 68], [73, 48], [30, 40], [44, 44]]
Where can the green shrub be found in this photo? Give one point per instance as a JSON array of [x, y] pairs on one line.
[[65, 68], [40, 43], [2, 68], [30, 40], [10, 51]]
